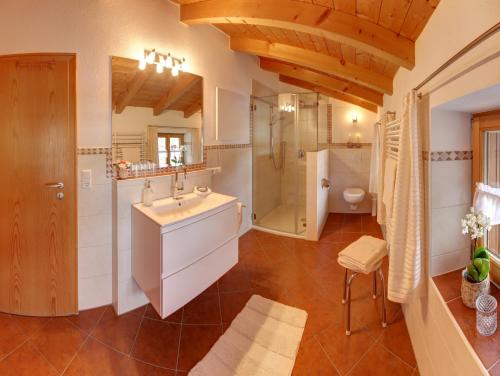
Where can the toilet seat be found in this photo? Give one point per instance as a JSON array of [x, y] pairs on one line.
[[354, 196], [354, 193]]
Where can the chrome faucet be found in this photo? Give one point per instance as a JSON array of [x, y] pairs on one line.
[[178, 184]]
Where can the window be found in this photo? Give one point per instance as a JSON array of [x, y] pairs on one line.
[[491, 176], [170, 149], [486, 169]]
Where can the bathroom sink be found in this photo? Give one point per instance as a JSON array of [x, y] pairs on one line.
[[182, 245], [168, 211]]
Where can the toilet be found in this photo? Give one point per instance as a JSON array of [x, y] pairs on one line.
[[354, 196]]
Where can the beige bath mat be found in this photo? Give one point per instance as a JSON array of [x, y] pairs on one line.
[[262, 340]]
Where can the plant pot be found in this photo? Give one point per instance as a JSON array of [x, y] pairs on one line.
[[472, 290], [123, 173]]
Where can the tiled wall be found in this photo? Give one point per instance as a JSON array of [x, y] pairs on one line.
[[450, 162], [94, 231], [349, 168]]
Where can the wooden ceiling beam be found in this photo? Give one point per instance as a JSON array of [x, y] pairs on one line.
[[132, 88], [191, 109], [314, 60], [307, 18], [185, 82], [322, 80], [330, 93]]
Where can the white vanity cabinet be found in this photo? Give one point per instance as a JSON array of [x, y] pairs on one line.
[[181, 247]]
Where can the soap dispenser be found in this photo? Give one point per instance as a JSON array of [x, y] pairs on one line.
[[147, 193]]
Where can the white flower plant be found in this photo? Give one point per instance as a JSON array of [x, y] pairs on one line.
[[475, 225]]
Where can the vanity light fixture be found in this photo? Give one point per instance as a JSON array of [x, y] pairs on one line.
[[162, 61]]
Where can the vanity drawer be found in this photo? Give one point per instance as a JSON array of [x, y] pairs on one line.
[[180, 288], [181, 247]]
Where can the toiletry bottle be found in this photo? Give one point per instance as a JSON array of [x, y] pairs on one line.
[[147, 194]]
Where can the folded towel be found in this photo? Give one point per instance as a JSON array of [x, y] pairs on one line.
[[364, 255], [389, 181], [487, 201]]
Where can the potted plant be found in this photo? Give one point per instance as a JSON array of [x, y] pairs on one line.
[[122, 168], [476, 280]]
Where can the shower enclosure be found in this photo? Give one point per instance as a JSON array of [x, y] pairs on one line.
[[285, 128]]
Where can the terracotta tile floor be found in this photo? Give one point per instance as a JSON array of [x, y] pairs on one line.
[[487, 348], [295, 272]]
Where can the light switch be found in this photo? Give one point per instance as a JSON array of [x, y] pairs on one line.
[[86, 179]]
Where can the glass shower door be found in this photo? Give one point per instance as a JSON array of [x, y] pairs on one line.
[[281, 140]]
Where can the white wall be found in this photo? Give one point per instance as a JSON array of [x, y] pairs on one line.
[[95, 31], [450, 191], [343, 125]]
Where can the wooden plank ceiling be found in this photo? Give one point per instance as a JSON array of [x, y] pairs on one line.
[[146, 88], [349, 47]]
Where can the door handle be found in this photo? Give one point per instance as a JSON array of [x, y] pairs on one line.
[[59, 185]]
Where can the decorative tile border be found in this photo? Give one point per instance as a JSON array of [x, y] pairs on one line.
[[96, 151], [329, 124], [453, 155]]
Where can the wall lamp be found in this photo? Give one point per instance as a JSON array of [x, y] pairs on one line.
[[354, 117], [162, 61]]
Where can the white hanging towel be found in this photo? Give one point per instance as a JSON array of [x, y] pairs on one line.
[[487, 201], [389, 181], [407, 229], [373, 186], [381, 171]]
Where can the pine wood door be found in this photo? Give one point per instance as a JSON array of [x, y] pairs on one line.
[[38, 233]]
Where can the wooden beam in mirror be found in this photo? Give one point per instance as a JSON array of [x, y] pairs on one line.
[[175, 92], [157, 116]]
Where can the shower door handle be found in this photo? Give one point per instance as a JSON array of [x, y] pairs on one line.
[[325, 184]]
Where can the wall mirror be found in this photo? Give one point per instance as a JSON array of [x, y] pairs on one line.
[[157, 117]]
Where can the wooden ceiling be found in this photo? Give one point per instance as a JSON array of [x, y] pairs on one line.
[[159, 91], [349, 47]]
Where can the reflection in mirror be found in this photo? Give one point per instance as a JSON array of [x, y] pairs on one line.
[[156, 117]]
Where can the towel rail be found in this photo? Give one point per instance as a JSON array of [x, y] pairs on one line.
[[391, 138]]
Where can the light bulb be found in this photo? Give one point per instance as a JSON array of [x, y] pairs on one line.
[[159, 68], [175, 71], [169, 62], [151, 57], [142, 64]]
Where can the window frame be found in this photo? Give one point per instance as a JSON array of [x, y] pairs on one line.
[[481, 123], [167, 137]]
